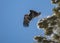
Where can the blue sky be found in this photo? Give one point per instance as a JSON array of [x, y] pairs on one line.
[[11, 19]]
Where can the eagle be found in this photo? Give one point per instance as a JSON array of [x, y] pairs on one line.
[[29, 17]]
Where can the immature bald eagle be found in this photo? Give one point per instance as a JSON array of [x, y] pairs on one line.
[[29, 17]]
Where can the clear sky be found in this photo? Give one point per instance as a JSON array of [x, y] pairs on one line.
[[11, 19]]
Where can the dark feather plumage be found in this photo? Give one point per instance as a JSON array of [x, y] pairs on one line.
[[29, 17]]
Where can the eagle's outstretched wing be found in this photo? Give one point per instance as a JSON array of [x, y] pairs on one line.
[[34, 14], [26, 20]]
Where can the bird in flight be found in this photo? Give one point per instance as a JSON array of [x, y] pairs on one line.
[[29, 17]]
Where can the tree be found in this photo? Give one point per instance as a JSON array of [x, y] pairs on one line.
[[51, 25]]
